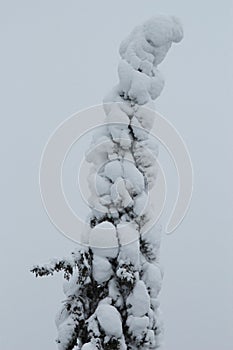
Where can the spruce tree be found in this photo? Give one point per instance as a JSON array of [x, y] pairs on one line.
[[112, 292]]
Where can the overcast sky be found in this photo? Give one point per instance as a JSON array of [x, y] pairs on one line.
[[58, 57]]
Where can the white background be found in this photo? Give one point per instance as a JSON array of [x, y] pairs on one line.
[[58, 57]]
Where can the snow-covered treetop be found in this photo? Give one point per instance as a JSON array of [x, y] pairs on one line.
[[141, 52], [152, 38]]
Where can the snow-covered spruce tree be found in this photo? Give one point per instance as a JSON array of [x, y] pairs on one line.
[[112, 293]]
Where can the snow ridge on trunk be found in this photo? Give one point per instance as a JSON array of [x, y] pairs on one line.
[[112, 287]]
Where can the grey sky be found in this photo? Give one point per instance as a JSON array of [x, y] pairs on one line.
[[58, 57]]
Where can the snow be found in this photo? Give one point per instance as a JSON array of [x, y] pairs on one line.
[[125, 140], [103, 240], [117, 115], [145, 153], [65, 332], [118, 126], [114, 293], [101, 148], [93, 326], [139, 133], [141, 52], [152, 236], [150, 338], [70, 287], [140, 202], [119, 194], [102, 185], [153, 278], [135, 180], [98, 208], [105, 200], [120, 135], [139, 301], [61, 316], [155, 303], [109, 320], [162, 29], [102, 269], [89, 346], [137, 325], [127, 233], [116, 170], [145, 116], [138, 86], [154, 37], [113, 170], [128, 236]]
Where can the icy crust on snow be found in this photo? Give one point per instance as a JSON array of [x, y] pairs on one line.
[[113, 292]]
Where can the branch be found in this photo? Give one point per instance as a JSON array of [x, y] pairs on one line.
[[57, 265]]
